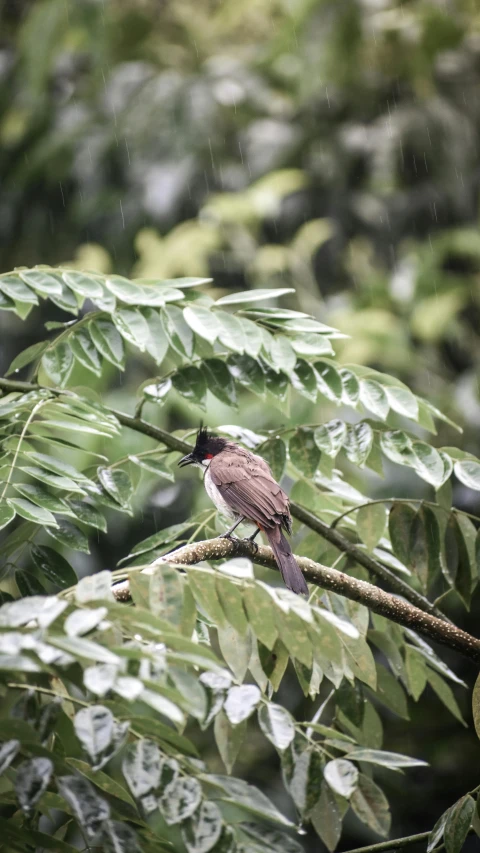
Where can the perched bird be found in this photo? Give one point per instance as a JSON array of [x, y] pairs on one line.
[[241, 486]]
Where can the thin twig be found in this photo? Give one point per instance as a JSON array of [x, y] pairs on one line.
[[393, 844]]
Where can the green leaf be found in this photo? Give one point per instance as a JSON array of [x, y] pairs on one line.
[[230, 596], [85, 352], [351, 387], [261, 614], [202, 584], [203, 829], [329, 437], [54, 480], [326, 817], [391, 693], [358, 443], [371, 521], [27, 356], [88, 514], [57, 466], [246, 797], [68, 534], [100, 736], [101, 779], [83, 621], [32, 779], [329, 381], [7, 514], [282, 355], [190, 383], [436, 834], [43, 282], [108, 342], [232, 334], [374, 398], [241, 703], [235, 649], [229, 738], [304, 779], [83, 283], [247, 372], [58, 363], [256, 295], [428, 463], [416, 672], [155, 466], [370, 805], [179, 333], [157, 392], [445, 694], [276, 724], [180, 799], [156, 342], [275, 453], [31, 512], [393, 760], [458, 823], [55, 567], [303, 451], [219, 381], [342, 777], [8, 751], [401, 400], [468, 472], [117, 483], [400, 523], [14, 287], [132, 326], [202, 321], [304, 380]]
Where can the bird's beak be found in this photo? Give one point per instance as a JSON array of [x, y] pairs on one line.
[[186, 460]]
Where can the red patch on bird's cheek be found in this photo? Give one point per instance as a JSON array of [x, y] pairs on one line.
[[209, 456]]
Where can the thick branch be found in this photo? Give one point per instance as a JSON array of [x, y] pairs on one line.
[[304, 516], [371, 596]]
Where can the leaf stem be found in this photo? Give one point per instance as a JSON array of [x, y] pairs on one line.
[[402, 501], [393, 844], [20, 440]]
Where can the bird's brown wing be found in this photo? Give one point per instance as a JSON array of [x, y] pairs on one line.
[[246, 483]]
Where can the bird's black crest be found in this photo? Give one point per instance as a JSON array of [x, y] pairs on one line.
[[207, 441]]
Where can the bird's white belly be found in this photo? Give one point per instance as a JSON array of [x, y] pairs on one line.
[[215, 496]]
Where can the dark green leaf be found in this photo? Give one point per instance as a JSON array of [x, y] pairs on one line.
[[70, 535], [88, 514], [28, 584], [329, 381], [445, 694], [326, 817], [118, 837], [190, 383], [400, 523], [219, 381], [305, 778], [247, 372], [370, 805], [43, 498], [7, 514], [458, 823], [304, 380]]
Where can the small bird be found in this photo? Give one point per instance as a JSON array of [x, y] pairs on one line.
[[242, 486]]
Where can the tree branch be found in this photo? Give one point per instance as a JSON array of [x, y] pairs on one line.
[[328, 533], [377, 600], [393, 844]]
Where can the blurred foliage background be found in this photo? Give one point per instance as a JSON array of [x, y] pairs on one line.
[[327, 145]]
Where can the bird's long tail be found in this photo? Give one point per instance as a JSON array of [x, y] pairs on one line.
[[291, 574]]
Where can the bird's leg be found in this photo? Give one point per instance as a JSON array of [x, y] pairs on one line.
[[252, 539], [228, 533]]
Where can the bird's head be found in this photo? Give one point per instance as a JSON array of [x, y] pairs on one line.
[[207, 445]]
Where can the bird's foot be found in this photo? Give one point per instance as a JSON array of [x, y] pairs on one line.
[[229, 536], [253, 543]]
